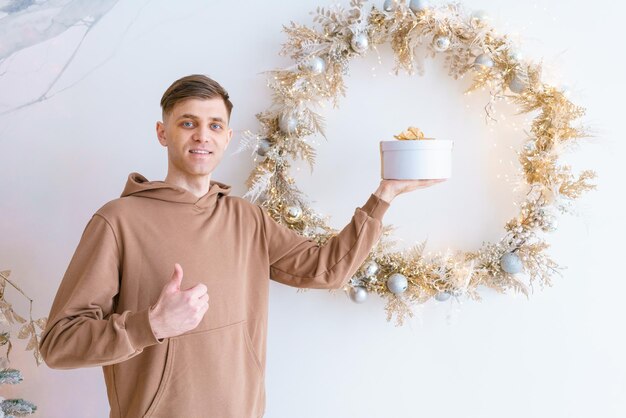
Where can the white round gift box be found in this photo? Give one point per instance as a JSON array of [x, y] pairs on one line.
[[416, 159]]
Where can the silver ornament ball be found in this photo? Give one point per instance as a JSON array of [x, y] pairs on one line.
[[442, 296], [479, 18], [315, 65], [397, 283], [418, 6], [511, 263], [370, 269], [288, 123], [358, 294], [263, 147], [483, 61], [389, 5], [530, 146], [517, 85], [359, 42], [293, 213], [441, 43], [550, 222]]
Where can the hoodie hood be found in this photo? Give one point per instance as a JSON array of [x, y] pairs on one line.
[[137, 185]]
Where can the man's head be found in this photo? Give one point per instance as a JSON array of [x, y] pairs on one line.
[[196, 112], [198, 86]]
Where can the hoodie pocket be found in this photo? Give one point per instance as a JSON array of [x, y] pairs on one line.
[[210, 373]]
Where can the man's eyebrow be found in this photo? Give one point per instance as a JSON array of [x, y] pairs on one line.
[[190, 116]]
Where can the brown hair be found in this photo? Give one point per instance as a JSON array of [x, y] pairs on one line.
[[195, 85]]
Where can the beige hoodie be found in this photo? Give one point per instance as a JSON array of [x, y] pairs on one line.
[[126, 255]]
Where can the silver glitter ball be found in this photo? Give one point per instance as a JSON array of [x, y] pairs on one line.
[[370, 269], [293, 213], [358, 294], [418, 6], [479, 18], [442, 296], [441, 43], [263, 147], [397, 283], [315, 65], [288, 123], [511, 263], [483, 61], [517, 85], [359, 42]]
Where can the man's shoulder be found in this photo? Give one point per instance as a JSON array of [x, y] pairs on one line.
[[118, 207]]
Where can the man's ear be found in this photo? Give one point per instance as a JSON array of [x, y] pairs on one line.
[[230, 136], [160, 131]]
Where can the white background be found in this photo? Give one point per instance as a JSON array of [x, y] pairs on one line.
[[558, 354]]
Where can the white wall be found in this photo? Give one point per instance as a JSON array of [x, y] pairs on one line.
[[559, 354]]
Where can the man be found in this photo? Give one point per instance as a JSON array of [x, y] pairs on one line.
[[164, 353]]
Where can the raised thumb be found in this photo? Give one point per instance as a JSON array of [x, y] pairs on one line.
[[177, 278]]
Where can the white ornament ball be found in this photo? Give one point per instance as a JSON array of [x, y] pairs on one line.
[[288, 123], [516, 56], [397, 283], [483, 61], [293, 213], [263, 147], [442, 296], [550, 222], [359, 42], [418, 6], [315, 65], [530, 146], [371, 268], [566, 91], [479, 18], [517, 85], [441, 43], [511, 263], [358, 294]]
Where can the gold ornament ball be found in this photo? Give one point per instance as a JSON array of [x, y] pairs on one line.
[[293, 213]]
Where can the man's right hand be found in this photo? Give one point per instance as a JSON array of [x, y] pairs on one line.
[[178, 311]]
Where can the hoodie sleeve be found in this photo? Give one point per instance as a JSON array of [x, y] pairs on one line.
[[300, 262], [82, 329]]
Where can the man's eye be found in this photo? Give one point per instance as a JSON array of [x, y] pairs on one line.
[[216, 126], [188, 124]]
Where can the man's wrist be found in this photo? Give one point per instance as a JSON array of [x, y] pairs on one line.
[[384, 193]]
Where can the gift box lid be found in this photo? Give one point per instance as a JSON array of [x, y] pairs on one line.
[[398, 145]]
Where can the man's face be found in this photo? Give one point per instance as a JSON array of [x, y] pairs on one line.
[[196, 133]]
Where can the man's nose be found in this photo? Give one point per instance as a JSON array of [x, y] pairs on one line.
[[202, 134]]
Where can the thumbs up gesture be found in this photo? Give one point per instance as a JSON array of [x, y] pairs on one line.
[[178, 311]]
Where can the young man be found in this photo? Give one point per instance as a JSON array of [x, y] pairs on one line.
[[164, 352]]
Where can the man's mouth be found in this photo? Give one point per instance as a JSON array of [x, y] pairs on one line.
[[200, 151]]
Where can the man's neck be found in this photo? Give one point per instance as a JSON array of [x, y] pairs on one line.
[[197, 185]]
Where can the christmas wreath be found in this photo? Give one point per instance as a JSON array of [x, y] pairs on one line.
[[471, 46]]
